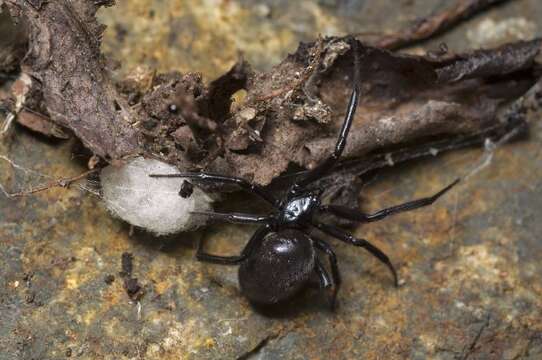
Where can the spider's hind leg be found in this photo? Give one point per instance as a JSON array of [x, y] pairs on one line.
[[336, 275], [350, 239], [235, 218], [325, 280], [233, 260], [216, 259]]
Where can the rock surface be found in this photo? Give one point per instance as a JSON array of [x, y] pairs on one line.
[[471, 263]]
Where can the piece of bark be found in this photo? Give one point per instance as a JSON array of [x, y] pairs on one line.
[[64, 56], [403, 99], [41, 124], [343, 185]]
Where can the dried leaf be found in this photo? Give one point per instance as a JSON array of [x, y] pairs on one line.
[[64, 56], [404, 99]]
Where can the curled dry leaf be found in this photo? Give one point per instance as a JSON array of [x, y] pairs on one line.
[[404, 99], [64, 57]]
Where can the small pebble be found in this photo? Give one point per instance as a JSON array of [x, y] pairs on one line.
[[109, 279]]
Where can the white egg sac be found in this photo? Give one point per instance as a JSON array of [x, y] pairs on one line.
[[153, 204]]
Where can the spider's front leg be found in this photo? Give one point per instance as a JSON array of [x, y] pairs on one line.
[[328, 164], [236, 218], [356, 215], [207, 177]]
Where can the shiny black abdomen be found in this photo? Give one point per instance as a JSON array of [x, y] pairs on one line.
[[278, 267]]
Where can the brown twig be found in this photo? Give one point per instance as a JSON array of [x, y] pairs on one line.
[[62, 182], [435, 24], [499, 134]]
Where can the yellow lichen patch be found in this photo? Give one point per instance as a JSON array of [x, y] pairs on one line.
[[326, 23], [78, 274], [114, 294], [181, 339], [208, 38], [490, 32], [429, 341], [89, 317], [162, 286], [209, 342], [479, 262]]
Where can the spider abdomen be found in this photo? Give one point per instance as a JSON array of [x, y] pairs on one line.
[[278, 267]]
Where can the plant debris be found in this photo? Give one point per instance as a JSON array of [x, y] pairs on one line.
[[64, 58], [109, 279], [12, 45], [127, 266], [186, 189], [289, 114], [134, 290]]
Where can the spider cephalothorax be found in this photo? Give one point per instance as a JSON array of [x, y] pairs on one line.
[[281, 256]]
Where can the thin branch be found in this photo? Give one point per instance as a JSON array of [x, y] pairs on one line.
[[436, 23], [62, 182]]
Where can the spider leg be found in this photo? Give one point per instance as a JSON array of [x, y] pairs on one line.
[[323, 246], [355, 215], [325, 280], [328, 164], [348, 238], [232, 260], [217, 259], [242, 183], [235, 218]]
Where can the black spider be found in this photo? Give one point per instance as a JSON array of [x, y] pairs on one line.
[[280, 257]]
